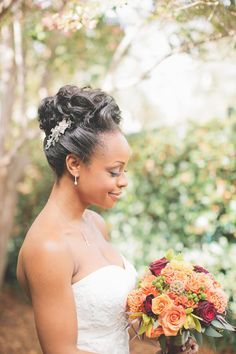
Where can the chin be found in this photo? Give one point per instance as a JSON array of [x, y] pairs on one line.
[[103, 205]]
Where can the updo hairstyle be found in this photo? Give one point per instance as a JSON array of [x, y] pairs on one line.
[[91, 112]]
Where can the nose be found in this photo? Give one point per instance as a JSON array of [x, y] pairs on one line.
[[122, 181]]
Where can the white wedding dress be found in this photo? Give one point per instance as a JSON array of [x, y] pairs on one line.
[[100, 300]]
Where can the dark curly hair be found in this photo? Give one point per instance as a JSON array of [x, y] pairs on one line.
[[91, 112]]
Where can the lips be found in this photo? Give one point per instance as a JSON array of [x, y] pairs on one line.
[[114, 196]]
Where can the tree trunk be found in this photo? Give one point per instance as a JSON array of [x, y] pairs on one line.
[[12, 163]]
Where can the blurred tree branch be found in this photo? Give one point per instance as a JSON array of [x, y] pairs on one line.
[[5, 7], [184, 48]]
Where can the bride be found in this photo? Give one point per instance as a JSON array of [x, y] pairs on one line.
[[77, 282]]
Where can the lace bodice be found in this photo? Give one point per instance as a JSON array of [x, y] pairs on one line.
[[100, 300]]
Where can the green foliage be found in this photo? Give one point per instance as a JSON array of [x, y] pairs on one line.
[[180, 190]]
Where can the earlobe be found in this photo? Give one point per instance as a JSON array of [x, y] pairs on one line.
[[73, 164]]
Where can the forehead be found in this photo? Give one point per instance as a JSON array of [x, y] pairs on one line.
[[114, 148]]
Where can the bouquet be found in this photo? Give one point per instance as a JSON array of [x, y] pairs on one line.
[[175, 302]]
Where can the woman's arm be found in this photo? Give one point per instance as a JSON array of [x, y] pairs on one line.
[[49, 269]]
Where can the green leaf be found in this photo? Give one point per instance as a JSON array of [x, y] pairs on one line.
[[162, 341], [226, 325], [198, 325], [149, 328], [198, 337], [217, 324], [136, 314], [142, 329], [179, 257], [211, 332], [170, 254], [199, 318], [189, 310], [181, 339], [229, 327], [146, 319]]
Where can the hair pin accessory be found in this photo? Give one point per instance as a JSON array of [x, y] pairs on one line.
[[57, 132]]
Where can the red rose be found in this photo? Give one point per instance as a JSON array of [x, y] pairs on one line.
[[199, 269], [147, 304], [206, 310], [156, 266]]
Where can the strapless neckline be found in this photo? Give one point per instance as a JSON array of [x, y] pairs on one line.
[[100, 300], [122, 269]]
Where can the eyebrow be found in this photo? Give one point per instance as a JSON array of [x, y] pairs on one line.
[[123, 163]]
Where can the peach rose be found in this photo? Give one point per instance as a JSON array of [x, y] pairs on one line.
[[172, 320], [169, 273], [180, 276], [183, 266], [155, 333], [135, 301], [161, 303]]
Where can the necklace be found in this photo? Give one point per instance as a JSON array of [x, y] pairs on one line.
[[85, 239]]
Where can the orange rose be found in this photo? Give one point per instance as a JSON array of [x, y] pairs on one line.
[[191, 303], [172, 320], [155, 333], [181, 300], [172, 295], [135, 301], [161, 303], [147, 287]]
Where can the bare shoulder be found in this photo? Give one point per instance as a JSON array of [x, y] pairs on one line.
[[100, 223], [48, 266], [46, 260]]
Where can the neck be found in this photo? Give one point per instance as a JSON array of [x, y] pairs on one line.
[[65, 197]]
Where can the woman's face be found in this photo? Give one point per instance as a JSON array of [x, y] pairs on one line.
[[101, 182]]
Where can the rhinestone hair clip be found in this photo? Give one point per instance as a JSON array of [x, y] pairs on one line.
[[57, 132]]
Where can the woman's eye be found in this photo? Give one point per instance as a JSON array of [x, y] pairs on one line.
[[116, 174]]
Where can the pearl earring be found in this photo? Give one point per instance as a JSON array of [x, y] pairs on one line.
[[76, 182]]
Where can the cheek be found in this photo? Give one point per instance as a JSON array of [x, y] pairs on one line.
[[107, 183], [100, 182]]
